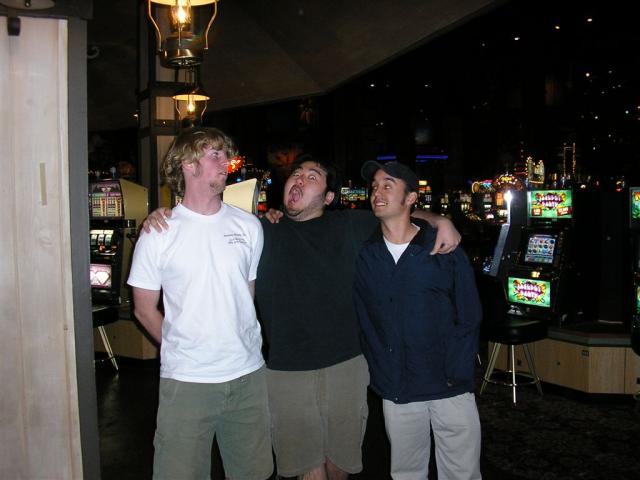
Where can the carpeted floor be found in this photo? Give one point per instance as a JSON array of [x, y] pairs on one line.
[[563, 435]]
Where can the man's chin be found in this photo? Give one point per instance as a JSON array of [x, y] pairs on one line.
[[291, 212]]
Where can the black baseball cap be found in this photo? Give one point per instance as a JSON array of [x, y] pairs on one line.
[[395, 169]]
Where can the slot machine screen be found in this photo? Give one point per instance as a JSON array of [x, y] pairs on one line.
[[100, 275], [541, 248], [353, 194], [106, 200], [638, 300], [634, 207], [529, 291], [549, 204]]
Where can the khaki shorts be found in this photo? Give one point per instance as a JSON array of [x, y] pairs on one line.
[[190, 414], [318, 415]]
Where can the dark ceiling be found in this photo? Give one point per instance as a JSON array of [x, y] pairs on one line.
[[263, 51]]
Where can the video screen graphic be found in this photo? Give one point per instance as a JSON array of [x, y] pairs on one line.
[[635, 203], [100, 275], [106, 200], [529, 291], [540, 249], [549, 204], [353, 194]]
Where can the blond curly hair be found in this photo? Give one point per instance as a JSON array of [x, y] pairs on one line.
[[189, 147]]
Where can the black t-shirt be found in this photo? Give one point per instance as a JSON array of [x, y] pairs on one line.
[[303, 289]]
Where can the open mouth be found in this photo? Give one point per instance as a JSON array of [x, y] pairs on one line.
[[295, 194]]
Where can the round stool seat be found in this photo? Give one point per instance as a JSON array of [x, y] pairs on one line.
[[516, 331]]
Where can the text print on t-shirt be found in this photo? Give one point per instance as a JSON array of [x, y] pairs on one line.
[[235, 238]]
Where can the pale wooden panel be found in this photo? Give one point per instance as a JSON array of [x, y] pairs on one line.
[[586, 368], [127, 340], [520, 358], [12, 452], [562, 364], [631, 372], [43, 405], [606, 370]]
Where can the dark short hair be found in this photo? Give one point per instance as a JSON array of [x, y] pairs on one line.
[[329, 168], [395, 169]]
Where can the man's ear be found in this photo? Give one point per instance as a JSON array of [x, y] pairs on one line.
[[192, 168], [412, 197], [328, 197]]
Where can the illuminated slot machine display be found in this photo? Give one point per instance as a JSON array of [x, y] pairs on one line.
[[117, 208], [634, 224], [424, 195], [263, 195], [482, 198], [353, 197], [538, 278], [104, 269], [247, 186], [502, 184]]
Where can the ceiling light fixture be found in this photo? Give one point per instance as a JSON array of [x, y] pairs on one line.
[[188, 38], [191, 102]]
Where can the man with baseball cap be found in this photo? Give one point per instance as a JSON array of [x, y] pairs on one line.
[[420, 316]]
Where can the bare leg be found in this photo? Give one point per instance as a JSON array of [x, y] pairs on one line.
[[334, 473], [317, 473], [328, 471]]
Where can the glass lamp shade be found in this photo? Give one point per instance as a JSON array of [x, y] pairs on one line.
[[179, 45], [191, 103]]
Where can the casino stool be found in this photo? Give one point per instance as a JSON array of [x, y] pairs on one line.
[[502, 328], [104, 315]]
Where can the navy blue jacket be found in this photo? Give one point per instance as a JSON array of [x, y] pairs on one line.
[[419, 319]]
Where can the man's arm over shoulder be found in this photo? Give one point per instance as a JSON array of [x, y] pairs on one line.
[[157, 220], [447, 238]]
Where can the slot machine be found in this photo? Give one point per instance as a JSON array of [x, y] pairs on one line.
[[353, 197], [117, 207], [424, 195], [537, 279], [634, 227]]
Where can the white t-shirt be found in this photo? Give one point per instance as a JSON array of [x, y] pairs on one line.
[[397, 249], [203, 264]]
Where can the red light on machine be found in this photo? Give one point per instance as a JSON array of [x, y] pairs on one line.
[[235, 164]]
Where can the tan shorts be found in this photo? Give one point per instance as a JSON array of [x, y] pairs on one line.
[[318, 415]]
